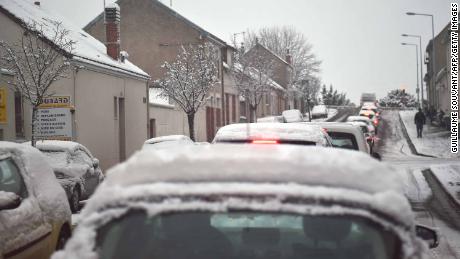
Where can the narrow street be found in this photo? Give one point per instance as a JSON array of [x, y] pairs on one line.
[[429, 201]]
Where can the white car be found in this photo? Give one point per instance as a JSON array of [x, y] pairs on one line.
[[167, 141], [273, 133], [76, 169], [249, 201], [291, 116], [319, 111], [35, 217], [364, 119], [345, 135], [274, 119]]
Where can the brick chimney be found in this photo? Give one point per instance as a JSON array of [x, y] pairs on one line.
[[112, 30], [288, 57]]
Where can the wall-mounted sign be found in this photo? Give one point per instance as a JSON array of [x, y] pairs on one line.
[[56, 102], [54, 123], [3, 108]]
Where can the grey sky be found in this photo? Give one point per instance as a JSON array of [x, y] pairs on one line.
[[358, 41]]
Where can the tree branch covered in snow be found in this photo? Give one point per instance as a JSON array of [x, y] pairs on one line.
[[253, 77], [190, 78], [37, 61]]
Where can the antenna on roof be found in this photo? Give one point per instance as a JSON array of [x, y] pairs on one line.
[[170, 3], [104, 9]]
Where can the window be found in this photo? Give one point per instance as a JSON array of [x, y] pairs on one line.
[[343, 140], [18, 118], [115, 107], [11, 179]]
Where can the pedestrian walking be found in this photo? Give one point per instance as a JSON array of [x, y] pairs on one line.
[[419, 121]]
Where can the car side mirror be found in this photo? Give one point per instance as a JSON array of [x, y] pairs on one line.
[[95, 162], [376, 156], [9, 200], [427, 234]]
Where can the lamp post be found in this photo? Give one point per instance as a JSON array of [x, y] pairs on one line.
[[432, 57], [421, 61], [416, 59]]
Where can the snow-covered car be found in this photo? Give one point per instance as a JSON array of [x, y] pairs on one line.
[[167, 141], [291, 116], [273, 133], [370, 125], [76, 169], [274, 119], [365, 130], [35, 217], [319, 111], [345, 135], [249, 201]]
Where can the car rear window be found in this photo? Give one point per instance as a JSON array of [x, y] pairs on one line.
[[284, 142], [202, 235], [11, 179], [343, 140]]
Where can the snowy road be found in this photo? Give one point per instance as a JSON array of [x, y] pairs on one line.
[[429, 201]]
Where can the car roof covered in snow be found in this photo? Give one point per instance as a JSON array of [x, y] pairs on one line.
[[358, 118], [293, 115], [87, 49], [272, 131], [317, 166], [167, 138], [58, 145]]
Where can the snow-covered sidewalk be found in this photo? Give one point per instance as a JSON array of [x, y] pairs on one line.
[[435, 141], [449, 177]]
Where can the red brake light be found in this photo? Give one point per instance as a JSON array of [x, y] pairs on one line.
[[264, 141], [376, 122]]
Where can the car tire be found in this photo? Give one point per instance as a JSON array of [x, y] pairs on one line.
[[75, 200], [64, 235]]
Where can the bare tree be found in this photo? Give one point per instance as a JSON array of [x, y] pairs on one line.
[[280, 40], [190, 78], [253, 74], [37, 60]]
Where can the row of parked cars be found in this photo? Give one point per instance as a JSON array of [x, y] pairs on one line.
[[259, 190], [39, 189]]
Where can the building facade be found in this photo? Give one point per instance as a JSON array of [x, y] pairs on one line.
[[152, 33], [108, 96]]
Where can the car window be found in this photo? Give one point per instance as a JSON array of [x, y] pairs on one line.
[[343, 140], [198, 235], [11, 179]]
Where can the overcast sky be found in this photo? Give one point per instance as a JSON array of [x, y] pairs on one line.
[[358, 41]]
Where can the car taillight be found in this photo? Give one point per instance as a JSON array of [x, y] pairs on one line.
[[376, 121], [264, 141]]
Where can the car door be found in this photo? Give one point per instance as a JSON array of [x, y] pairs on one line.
[[91, 178], [23, 231]]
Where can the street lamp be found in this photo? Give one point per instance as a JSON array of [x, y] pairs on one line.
[[416, 58], [421, 62], [432, 57]]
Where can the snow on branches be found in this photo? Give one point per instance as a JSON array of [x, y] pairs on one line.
[[253, 74], [37, 59], [190, 78]]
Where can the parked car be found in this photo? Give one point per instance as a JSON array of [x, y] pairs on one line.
[[249, 201], [291, 116], [273, 133], [76, 169], [319, 111], [370, 125], [35, 217], [365, 130], [275, 119], [167, 141], [346, 135]]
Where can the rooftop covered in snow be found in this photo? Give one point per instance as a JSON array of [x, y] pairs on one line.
[[87, 49]]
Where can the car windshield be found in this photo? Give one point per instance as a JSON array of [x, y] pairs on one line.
[[343, 140], [57, 159], [201, 235]]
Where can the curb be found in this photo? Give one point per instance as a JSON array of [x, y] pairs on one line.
[[412, 147], [451, 201]]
